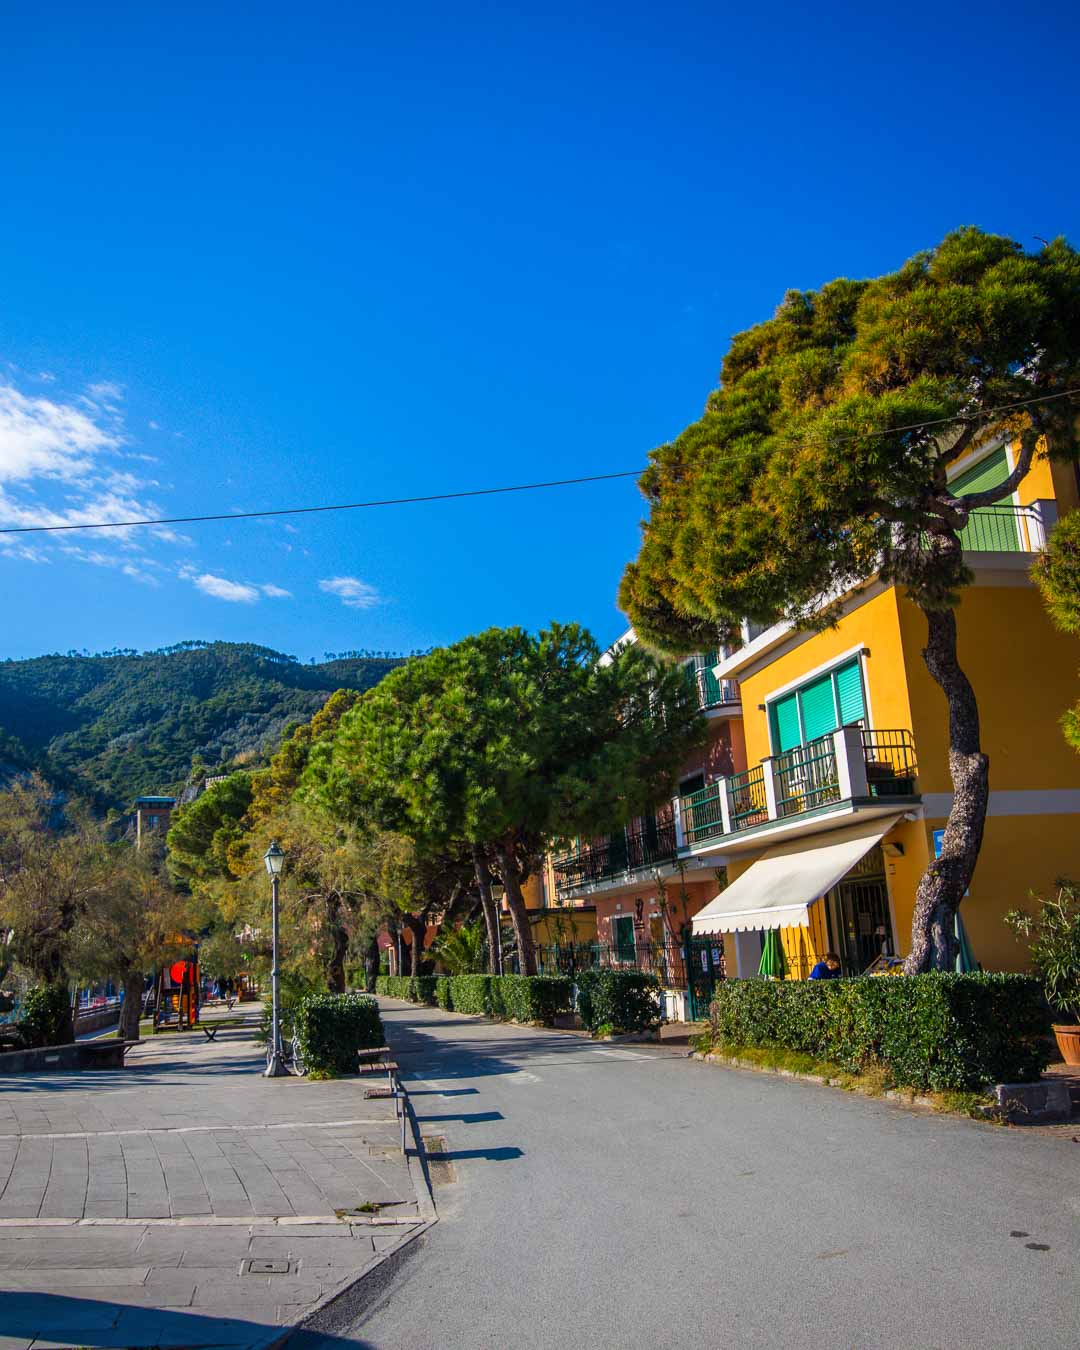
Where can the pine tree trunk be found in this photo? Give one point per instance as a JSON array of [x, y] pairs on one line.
[[933, 942], [416, 947], [132, 1006], [519, 915], [371, 964], [339, 939], [491, 917]]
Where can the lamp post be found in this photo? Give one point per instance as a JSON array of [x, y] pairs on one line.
[[497, 893], [274, 858]]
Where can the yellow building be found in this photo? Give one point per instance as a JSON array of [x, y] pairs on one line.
[[828, 832], [820, 816]]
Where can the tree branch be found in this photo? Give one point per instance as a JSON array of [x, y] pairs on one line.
[[1028, 442]]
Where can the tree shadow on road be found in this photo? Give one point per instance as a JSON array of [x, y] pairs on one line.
[[62, 1319]]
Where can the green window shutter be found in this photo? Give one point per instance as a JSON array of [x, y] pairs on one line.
[[785, 717], [988, 473], [818, 708], [989, 529], [849, 694], [623, 926]]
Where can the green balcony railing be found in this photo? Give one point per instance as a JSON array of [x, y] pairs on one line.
[[806, 777]]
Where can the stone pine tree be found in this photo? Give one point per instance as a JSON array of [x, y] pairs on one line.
[[507, 740], [822, 461], [1057, 574]]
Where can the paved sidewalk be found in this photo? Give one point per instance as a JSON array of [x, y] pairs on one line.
[[141, 1207]]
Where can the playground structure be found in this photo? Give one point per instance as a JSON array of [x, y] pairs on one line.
[[177, 995]]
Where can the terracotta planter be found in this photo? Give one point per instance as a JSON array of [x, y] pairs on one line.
[[1068, 1039]]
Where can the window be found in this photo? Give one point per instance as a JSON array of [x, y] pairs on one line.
[[832, 700], [622, 928], [986, 529], [692, 784]]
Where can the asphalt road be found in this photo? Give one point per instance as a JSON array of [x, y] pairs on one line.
[[625, 1196]]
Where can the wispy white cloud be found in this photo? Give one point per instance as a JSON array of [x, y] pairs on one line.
[[105, 391], [46, 376], [40, 438], [237, 592], [276, 592], [352, 592]]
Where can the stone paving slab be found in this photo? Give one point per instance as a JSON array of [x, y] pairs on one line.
[[133, 1201]]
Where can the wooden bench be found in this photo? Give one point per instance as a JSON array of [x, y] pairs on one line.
[[376, 1060]]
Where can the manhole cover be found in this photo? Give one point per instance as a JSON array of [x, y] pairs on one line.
[[263, 1267]]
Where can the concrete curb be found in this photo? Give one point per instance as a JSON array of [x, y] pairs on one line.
[[340, 1308]]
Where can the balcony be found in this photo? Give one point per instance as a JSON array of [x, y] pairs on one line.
[[620, 855], [853, 765], [711, 692]]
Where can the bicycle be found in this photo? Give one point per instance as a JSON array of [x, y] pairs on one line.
[[292, 1053]]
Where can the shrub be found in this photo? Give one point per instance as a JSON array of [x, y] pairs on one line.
[[46, 1015], [932, 1032], [531, 998], [413, 988], [1054, 937], [331, 1028], [472, 993], [618, 1000], [443, 996]]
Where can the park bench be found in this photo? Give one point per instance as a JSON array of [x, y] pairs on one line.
[[376, 1061]]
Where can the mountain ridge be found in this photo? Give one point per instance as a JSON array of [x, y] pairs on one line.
[[118, 724]]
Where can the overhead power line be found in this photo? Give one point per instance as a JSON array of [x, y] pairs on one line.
[[495, 491]]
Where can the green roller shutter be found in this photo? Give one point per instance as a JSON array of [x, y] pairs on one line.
[[818, 708], [623, 926], [849, 694], [786, 730], [989, 529]]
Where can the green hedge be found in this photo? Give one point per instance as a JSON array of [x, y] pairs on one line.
[[413, 988], [622, 1000], [472, 994], [531, 998], [933, 1032], [331, 1028], [524, 998]]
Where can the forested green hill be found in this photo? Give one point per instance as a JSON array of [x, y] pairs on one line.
[[123, 723]]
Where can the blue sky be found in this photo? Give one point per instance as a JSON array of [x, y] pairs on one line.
[[256, 258]]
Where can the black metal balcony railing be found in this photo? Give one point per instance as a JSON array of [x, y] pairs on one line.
[[891, 767], [626, 850], [711, 692]]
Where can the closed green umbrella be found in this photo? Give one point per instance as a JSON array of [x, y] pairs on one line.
[[773, 962], [965, 957]]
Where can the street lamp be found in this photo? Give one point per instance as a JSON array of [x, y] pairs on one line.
[[274, 858]]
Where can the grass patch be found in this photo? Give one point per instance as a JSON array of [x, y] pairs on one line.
[[873, 1081]]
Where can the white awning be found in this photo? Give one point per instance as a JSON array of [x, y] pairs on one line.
[[776, 891]]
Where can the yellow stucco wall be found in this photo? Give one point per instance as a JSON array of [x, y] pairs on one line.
[[875, 624], [1024, 674]]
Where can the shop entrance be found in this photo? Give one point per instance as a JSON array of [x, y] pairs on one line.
[[857, 913]]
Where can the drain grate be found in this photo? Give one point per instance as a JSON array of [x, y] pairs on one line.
[[264, 1267]]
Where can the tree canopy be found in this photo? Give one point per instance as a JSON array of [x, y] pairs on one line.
[[821, 460], [505, 740]]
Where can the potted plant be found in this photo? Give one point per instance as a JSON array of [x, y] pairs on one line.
[[1053, 937]]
